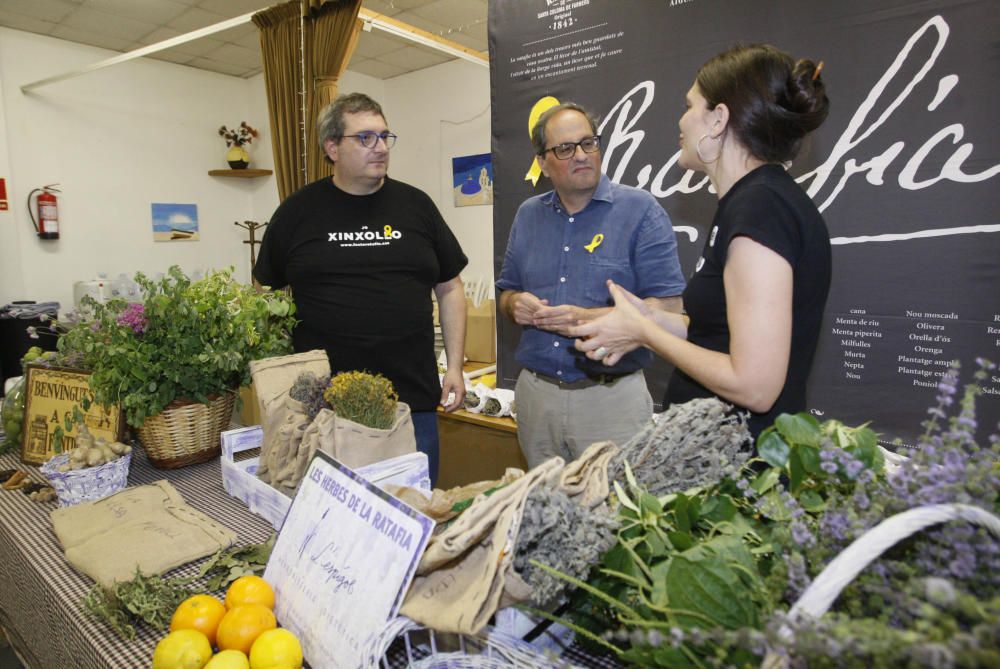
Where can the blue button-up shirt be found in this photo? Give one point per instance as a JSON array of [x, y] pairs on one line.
[[622, 234]]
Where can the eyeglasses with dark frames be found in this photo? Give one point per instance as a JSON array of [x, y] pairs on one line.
[[566, 150], [369, 138]]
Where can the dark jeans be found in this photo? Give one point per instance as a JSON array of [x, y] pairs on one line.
[[425, 429]]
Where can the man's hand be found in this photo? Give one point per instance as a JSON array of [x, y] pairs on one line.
[[522, 305], [559, 319], [453, 382]]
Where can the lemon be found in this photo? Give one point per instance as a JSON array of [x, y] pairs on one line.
[[183, 649], [276, 649], [228, 659]]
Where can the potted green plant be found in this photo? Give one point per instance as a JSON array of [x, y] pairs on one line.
[[174, 361]]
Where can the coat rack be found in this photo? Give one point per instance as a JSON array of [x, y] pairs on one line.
[[252, 227]]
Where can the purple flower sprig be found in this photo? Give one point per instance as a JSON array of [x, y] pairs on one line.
[[134, 316]]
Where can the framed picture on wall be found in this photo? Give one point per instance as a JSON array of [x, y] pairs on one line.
[[175, 222], [472, 180], [50, 394]]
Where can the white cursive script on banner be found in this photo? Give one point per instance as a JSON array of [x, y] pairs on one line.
[[624, 138]]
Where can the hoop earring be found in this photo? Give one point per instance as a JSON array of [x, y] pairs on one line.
[[697, 148]]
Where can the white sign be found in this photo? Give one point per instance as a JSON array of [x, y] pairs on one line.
[[342, 562]]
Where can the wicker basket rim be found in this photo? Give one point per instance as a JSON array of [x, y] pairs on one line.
[[50, 469], [183, 400]]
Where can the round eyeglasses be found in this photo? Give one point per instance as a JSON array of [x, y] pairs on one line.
[[566, 150], [369, 139]]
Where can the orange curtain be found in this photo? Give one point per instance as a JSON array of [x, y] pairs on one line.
[[306, 45], [280, 43], [334, 32]]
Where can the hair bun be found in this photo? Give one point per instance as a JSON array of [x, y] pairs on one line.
[[807, 94]]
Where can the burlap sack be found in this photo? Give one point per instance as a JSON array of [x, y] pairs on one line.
[[148, 526], [463, 572], [318, 436], [283, 431], [356, 445], [585, 480], [273, 377], [272, 380], [440, 507]]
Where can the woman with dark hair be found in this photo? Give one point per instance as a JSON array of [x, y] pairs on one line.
[[754, 304]]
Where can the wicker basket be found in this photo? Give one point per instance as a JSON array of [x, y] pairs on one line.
[[491, 649], [186, 432], [820, 595], [88, 484]]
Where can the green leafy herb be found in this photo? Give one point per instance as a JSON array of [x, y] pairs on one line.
[[148, 599], [188, 338], [226, 566]]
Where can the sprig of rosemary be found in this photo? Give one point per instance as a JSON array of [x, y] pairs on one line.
[[153, 599], [149, 599]]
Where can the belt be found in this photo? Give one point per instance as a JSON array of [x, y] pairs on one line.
[[587, 382]]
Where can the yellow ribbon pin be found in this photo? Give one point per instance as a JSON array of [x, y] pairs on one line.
[[595, 242], [387, 232], [535, 173]]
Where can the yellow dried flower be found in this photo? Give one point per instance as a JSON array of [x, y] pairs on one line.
[[368, 399]]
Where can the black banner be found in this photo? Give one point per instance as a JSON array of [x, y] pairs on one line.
[[905, 169]]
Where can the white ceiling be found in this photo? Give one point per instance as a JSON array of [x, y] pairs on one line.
[[125, 25]]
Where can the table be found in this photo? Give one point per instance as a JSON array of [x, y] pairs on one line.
[[40, 592], [475, 447]]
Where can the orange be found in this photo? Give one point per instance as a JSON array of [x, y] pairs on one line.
[[198, 612], [249, 590], [276, 649], [241, 626]]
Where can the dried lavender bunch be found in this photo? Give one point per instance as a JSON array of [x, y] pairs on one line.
[[692, 444], [308, 389], [559, 533], [471, 400]]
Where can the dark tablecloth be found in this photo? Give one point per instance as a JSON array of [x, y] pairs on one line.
[[40, 593]]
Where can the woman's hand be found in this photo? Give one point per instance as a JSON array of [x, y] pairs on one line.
[[620, 331]]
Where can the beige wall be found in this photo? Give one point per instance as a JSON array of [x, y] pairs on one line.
[[144, 131]]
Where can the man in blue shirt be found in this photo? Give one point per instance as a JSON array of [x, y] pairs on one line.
[[563, 247]]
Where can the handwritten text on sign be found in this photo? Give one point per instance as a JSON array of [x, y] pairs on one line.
[[342, 562]]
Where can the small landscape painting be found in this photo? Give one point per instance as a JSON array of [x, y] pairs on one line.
[[473, 180], [175, 222]]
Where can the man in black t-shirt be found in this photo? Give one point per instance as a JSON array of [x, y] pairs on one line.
[[362, 253]]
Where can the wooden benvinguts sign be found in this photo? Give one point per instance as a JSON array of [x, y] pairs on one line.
[[51, 393]]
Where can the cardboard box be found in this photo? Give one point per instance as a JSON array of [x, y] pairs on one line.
[[250, 411], [481, 331]]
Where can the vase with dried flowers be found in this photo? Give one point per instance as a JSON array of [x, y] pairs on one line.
[[237, 156]]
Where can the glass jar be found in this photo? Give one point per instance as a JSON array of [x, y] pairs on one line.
[[12, 417]]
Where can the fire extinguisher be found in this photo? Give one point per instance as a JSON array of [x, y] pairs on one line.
[[47, 225]]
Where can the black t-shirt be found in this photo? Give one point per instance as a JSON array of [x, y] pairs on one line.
[[767, 206], [362, 268]]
